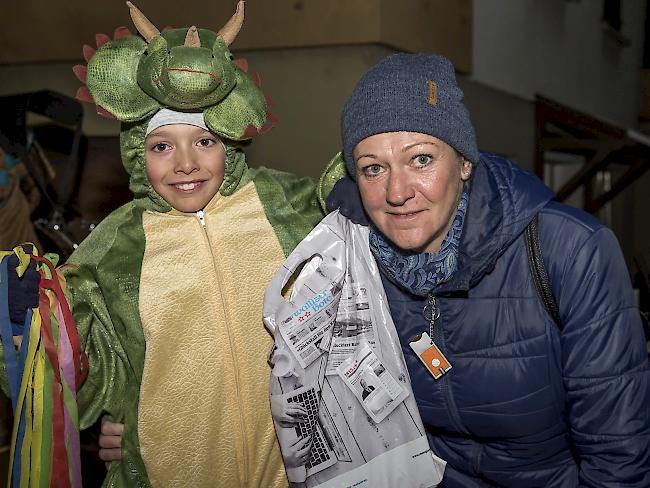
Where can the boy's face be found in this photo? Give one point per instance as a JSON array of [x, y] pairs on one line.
[[185, 165]]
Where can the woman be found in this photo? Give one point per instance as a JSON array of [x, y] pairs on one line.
[[526, 402]]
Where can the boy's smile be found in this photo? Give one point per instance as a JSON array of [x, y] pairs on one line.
[[188, 187], [185, 165]]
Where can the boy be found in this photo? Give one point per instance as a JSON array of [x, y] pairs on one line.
[[167, 290]]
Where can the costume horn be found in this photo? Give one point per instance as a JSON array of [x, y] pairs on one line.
[[144, 26], [192, 37], [229, 31]]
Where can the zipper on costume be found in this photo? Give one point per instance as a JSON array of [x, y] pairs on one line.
[[437, 336], [244, 451], [200, 214]]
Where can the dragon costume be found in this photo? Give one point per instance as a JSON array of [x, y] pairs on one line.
[[168, 305]]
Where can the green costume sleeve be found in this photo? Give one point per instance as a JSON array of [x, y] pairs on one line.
[[97, 293], [333, 172], [290, 204], [294, 204], [103, 280]]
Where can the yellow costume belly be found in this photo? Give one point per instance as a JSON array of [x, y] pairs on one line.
[[204, 418]]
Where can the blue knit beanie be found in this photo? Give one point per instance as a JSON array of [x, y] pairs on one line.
[[408, 92]]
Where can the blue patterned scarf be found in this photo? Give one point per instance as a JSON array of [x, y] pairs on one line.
[[420, 273]]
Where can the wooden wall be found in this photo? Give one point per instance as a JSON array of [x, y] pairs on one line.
[[54, 30]]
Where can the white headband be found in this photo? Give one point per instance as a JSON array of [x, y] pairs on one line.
[[168, 117]]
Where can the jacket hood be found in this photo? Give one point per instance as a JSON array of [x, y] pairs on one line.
[[503, 199]]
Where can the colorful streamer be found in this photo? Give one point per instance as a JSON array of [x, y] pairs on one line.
[[45, 368]]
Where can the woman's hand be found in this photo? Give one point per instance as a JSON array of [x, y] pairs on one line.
[[110, 442]]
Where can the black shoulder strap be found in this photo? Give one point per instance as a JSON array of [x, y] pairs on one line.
[[538, 271]]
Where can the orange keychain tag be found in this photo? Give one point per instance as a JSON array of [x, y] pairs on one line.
[[432, 357]]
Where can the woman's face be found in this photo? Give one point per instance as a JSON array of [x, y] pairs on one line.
[[410, 184]]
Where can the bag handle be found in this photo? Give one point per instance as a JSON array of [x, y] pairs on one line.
[[325, 243], [273, 298]]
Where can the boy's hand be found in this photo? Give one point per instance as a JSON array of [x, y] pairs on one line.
[[23, 291], [110, 442]]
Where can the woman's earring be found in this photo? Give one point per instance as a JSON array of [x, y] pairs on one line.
[[467, 168]]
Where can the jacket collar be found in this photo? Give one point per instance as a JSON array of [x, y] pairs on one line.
[[503, 200]]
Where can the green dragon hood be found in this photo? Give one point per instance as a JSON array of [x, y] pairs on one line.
[[130, 78]]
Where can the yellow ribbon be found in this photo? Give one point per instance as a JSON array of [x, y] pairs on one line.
[[23, 257], [26, 385]]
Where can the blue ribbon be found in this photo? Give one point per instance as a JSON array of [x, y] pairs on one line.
[[7, 336], [15, 368]]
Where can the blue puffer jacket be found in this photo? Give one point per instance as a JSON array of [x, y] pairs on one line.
[[527, 404]]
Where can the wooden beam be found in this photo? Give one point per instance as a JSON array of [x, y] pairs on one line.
[[573, 145], [578, 123], [629, 177], [595, 163]]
